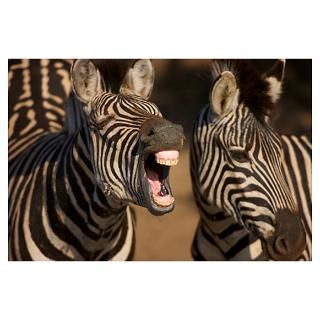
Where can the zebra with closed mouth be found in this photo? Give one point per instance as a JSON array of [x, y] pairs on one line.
[[253, 195]]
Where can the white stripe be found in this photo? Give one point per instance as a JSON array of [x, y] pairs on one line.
[[249, 253], [304, 203], [125, 250], [33, 249]]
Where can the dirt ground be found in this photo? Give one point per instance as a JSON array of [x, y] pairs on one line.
[[169, 237]]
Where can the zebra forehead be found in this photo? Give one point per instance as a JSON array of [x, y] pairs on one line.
[[237, 120], [240, 121], [105, 100], [244, 131]]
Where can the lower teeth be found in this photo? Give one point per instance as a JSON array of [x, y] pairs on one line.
[[160, 204]]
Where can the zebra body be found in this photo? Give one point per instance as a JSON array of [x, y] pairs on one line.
[[37, 90], [77, 223], [69, 191], [242, 173], [297, 168]]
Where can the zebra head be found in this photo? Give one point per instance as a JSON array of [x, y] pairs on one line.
[[132, 146], [237, 158]]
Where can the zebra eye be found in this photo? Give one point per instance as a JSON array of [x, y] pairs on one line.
[[240, 155]]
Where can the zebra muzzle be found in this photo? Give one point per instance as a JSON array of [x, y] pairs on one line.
[[289, 239], [158, 134]]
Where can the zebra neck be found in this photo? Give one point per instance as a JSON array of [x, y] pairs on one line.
[[82, 193], [225, 237]]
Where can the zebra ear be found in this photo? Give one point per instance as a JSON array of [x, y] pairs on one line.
[[224, 94], [275, 77], [86, 80], [139, 79]]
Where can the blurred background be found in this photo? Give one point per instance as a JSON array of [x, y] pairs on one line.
[[181, 89]]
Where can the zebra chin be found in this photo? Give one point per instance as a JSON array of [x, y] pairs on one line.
[[289, 239]]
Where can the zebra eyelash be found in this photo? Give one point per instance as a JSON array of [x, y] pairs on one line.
[[240, 155]]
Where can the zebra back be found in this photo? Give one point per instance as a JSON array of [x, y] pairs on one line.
[[37, 92]]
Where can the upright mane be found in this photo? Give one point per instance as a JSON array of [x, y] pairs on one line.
[[113, 71], [254, 90]]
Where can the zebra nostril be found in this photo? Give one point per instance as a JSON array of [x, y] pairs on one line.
[[289, 239], [160, 134], [281, 245]]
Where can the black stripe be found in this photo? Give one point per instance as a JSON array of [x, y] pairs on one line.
[[239, 246], [64, 201], [230, 230]]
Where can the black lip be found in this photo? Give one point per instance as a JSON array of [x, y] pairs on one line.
[[149, 203], [274, 254], [269, 252]]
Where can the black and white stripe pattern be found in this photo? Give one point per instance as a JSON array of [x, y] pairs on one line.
[[56, 210], [69, 191], [42, 83], [297, 168], [119, 129], [242, 173]]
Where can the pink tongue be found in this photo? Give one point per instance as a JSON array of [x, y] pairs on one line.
[[169, 154], [154, 182]]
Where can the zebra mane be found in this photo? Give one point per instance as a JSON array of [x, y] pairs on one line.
[[113, 71], [75, 118], [254, 90]]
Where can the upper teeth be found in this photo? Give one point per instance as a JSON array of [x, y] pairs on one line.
[[167, 162]]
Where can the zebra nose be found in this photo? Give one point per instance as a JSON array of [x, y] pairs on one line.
[[289, 239], [160, 134]]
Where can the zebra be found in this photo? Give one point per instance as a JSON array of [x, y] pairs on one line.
[[70, 190], [251, 185], [43, 83]]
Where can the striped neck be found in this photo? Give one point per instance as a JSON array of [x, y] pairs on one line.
[[76, 177]]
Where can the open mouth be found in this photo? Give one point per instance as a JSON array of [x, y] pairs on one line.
[[155, 180]]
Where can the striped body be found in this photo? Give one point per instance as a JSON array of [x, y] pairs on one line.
[[297, 168], [41, 83], [56, 211]]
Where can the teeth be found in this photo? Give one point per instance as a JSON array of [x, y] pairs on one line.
[[164, 203], [167, 162]]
